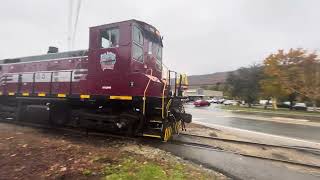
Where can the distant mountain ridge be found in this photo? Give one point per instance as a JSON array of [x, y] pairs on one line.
[[208, 79]]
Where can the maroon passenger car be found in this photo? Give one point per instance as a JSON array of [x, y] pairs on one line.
[[117, 84]]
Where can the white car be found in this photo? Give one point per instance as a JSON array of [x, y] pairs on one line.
[[212, 101], [220, 101], [230, 102]]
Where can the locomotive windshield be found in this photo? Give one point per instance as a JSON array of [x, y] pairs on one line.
[[157, 51], [110, 38], [137, 47]]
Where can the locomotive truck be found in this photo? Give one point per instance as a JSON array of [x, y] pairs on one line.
[[117, 85]]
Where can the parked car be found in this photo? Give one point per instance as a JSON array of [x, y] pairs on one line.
[[285, 104], [300, 106], [213, 100], [201, 102], [230, 102], [220, 101], [210, 100]]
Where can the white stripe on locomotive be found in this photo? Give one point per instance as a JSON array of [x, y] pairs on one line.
[[45, 76]]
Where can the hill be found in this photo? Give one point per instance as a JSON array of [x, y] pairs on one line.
[[208, 79]]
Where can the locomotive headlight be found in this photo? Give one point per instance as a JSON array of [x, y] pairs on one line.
[[131, 84]]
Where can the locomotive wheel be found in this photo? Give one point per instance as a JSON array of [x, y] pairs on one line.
[[177, 127], [167, 133], [59, 114]]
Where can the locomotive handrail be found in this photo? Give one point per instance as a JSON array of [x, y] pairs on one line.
[[33, 82], [163, 91], [145, 92], [175, 84], [5, 84], [70, 89], [51, 78]]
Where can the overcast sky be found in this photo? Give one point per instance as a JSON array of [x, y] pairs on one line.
[[202, 36]]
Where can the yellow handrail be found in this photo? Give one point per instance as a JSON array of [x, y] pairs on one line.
[[168, 106], [164, 89], [144, 94]]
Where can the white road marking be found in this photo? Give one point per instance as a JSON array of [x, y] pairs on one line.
[[197, 118], [289, 119], [255, 132]]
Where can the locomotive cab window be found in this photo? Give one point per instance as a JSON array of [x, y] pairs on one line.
[[137, 45], [110, 38], [137, 35], [157, 51], [137, 53]]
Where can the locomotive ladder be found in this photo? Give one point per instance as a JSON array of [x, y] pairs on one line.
[[164, 128]]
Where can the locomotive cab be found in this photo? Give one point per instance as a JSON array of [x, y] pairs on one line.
[[120, 56]]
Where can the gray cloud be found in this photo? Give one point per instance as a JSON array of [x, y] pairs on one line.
[[199, 36]]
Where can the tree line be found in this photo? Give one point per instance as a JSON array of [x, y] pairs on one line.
[[292, 75]]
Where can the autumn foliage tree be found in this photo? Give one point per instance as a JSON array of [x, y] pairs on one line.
[[272, 89], [296, 71]]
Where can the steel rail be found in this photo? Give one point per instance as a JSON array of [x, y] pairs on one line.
[[217, 149], [299, 148]]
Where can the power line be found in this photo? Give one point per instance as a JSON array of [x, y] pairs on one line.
[[76, 23], [73, 22], [69, 36]]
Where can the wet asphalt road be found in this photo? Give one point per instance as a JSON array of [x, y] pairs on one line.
[[237, 166], [214, 115]]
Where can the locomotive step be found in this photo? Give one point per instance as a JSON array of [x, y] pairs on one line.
[[152, 133], [155, 121]]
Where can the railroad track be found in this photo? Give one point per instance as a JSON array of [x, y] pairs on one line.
[[219, 149], [316, 151], [83, 132]]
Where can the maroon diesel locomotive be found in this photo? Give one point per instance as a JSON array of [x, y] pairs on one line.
[[119, 84]]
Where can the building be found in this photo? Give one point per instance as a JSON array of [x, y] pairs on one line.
[[201, 93]]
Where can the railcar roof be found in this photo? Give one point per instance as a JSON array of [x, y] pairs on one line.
[[44, 57]]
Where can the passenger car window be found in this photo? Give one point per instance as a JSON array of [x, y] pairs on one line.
[[137, 52], [137, 35], [110, 38]]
